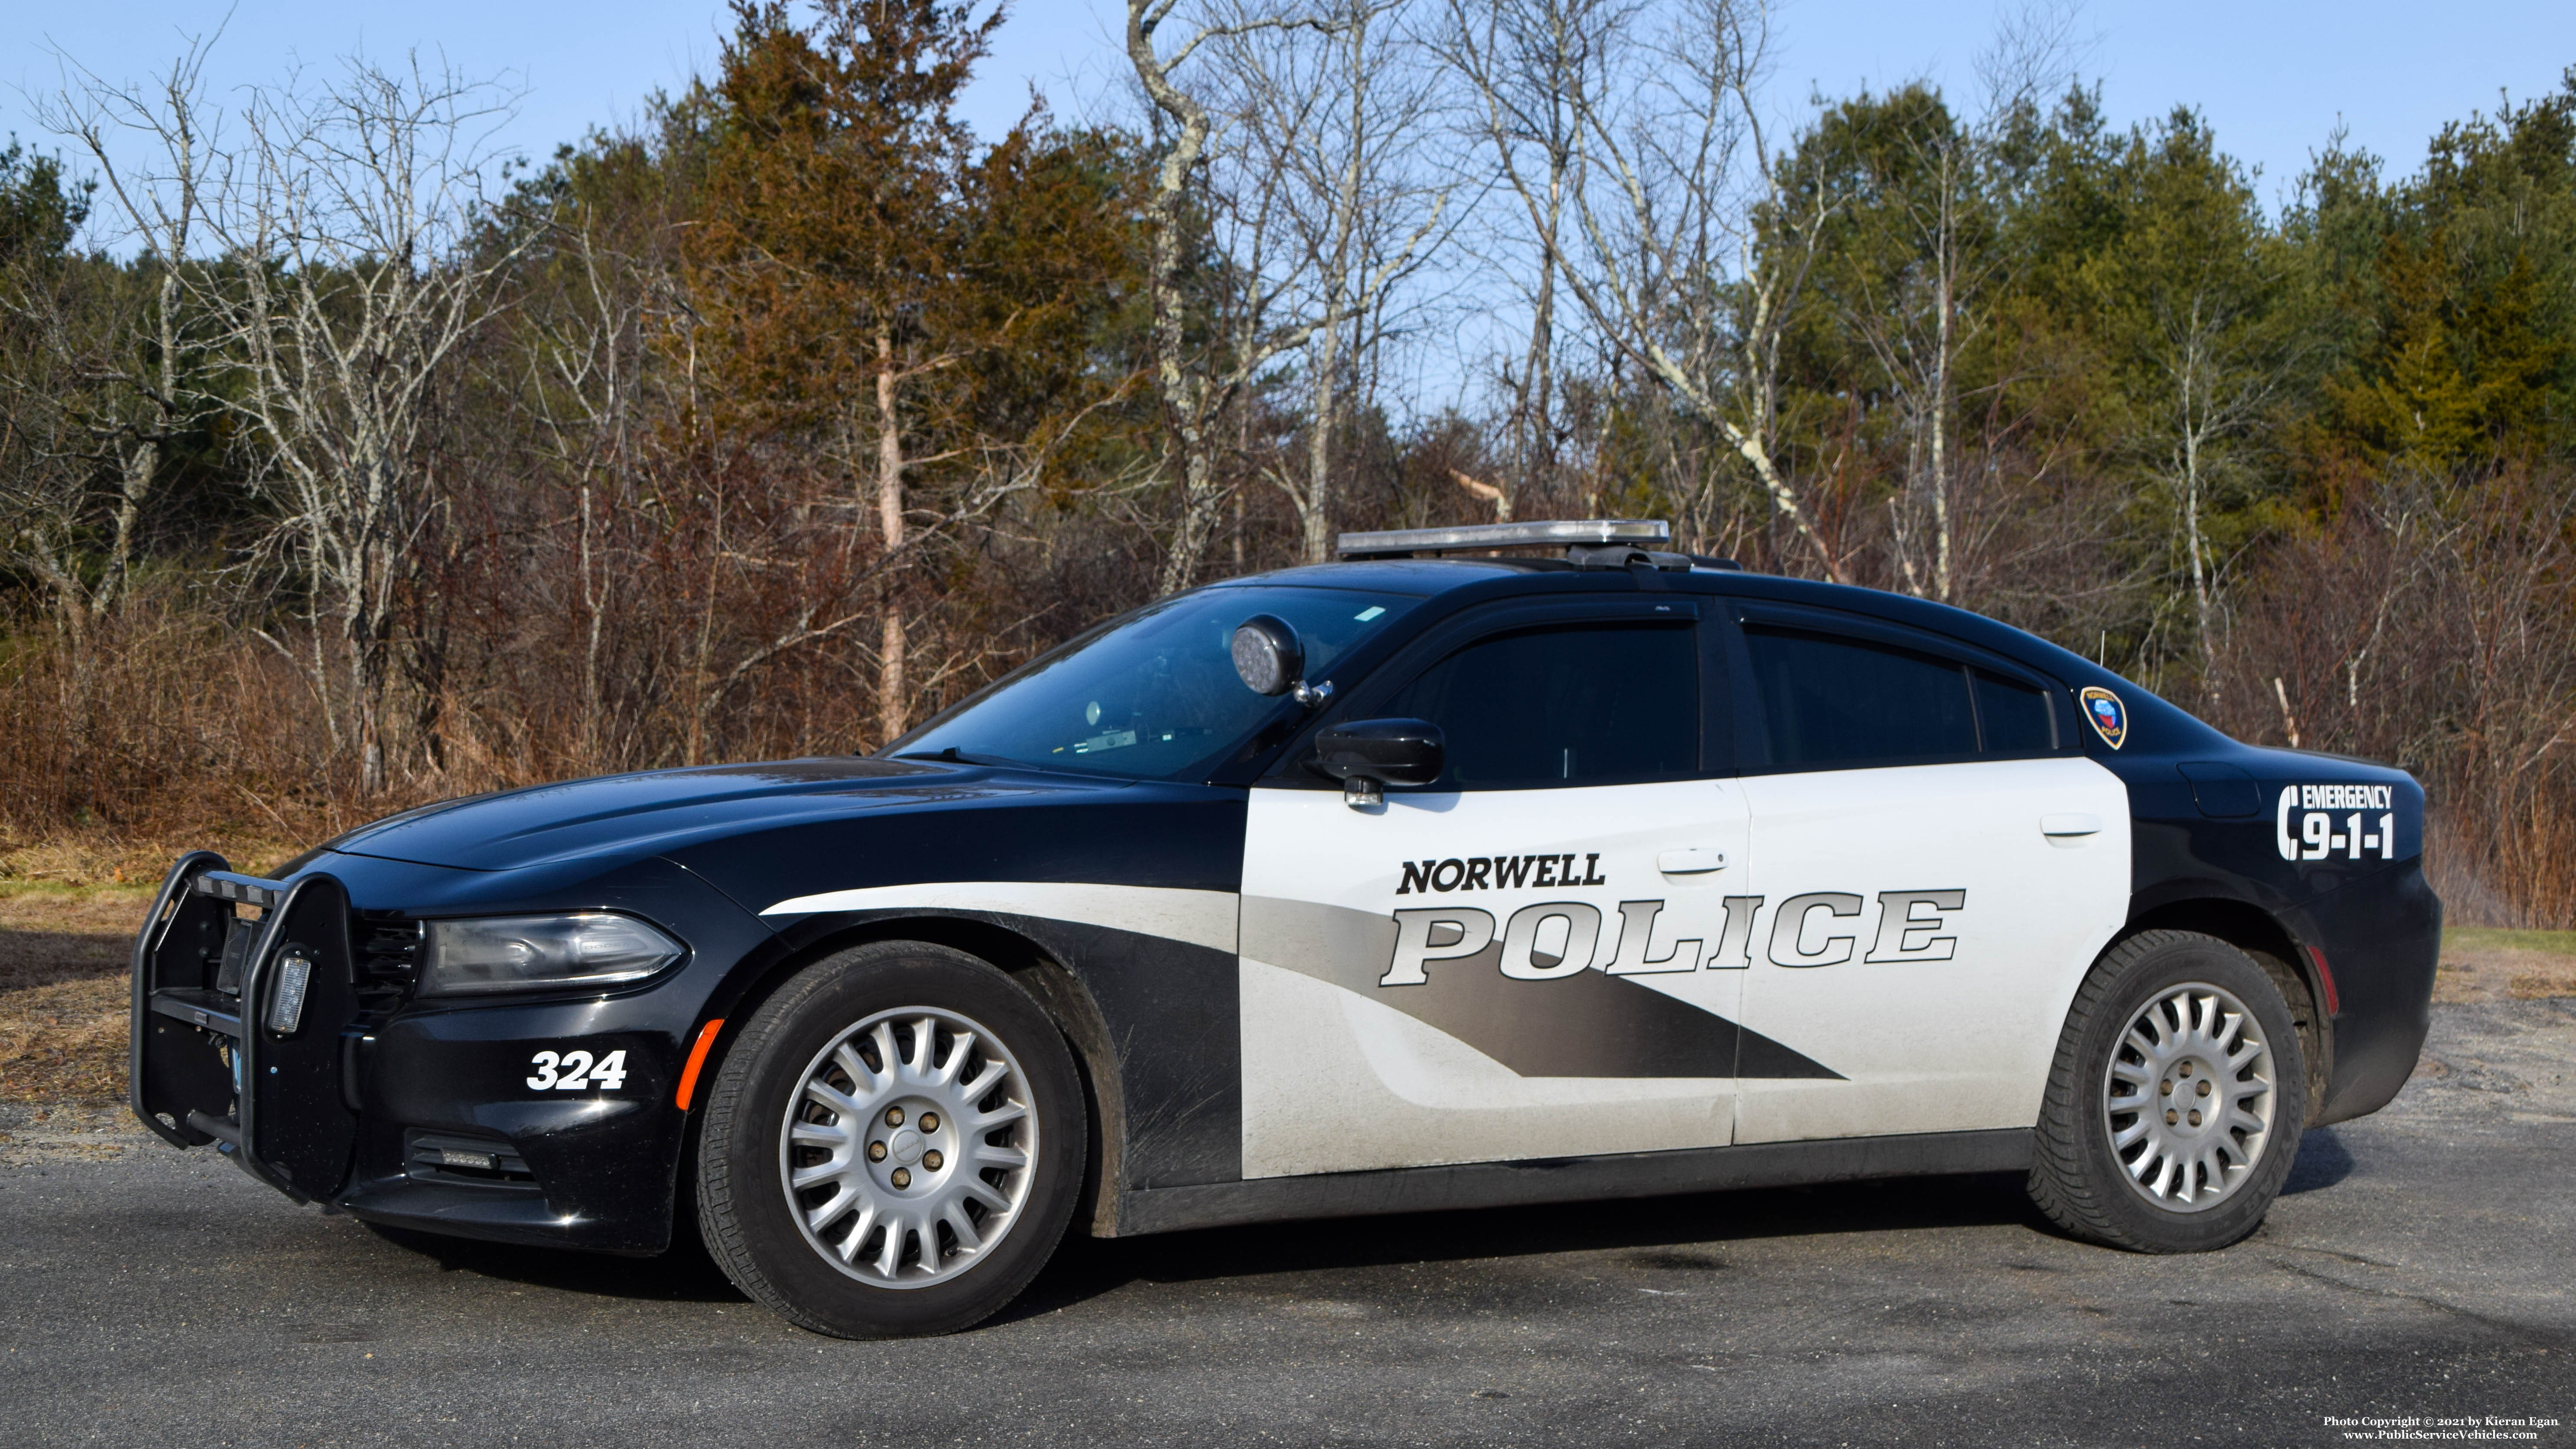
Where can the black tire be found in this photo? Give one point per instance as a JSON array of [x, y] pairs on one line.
[[746, 1214], [2078, 1177]]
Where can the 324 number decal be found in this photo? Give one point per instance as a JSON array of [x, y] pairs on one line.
[[576, 1072]]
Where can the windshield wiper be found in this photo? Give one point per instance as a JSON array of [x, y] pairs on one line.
[[955, 756]]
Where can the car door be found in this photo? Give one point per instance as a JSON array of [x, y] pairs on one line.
[[1939, 864], [1508, 962]]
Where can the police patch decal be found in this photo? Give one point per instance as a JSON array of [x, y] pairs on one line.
[[2110, 718]]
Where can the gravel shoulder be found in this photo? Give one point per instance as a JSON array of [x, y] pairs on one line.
[[2420, 1265]]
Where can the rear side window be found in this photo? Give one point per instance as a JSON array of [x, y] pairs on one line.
[[1578, 705], [2013, 717], [1829, 701]]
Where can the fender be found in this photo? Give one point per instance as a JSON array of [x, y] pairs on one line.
[[1032, 954]]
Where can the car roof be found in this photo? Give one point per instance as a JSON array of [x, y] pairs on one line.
[[1433, 577], [1420, 577], [1481, 579]]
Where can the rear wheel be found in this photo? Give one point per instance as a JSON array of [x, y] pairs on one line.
[[2174, 1106], [893, 1146]]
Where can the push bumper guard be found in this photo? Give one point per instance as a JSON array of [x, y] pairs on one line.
[[240, 1032]]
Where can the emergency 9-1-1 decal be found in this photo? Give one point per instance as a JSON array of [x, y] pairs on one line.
[[2109, 717], [2355, 822]]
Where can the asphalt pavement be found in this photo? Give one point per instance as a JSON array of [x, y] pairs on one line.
[[2419, 1268]]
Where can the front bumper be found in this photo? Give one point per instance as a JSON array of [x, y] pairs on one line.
[[550, 1122]]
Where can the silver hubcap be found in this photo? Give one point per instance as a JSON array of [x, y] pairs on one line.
[[907, 1153], [2188, 1098]]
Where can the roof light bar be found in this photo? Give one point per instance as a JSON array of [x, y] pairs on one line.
[[1560, 533]]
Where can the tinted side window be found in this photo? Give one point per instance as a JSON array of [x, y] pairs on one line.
[[1590, 705], [1832, 701], [2013, 717]]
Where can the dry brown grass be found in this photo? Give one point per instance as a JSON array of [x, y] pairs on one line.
[[102, 857], [65, 1042], [64, 991], [50, 934], [2483, 965]]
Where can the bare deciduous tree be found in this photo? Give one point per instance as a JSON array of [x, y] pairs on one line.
[[1197, 384], [584, 363], [349, 284], [1337, 114], [2187, 295], [1687, 249], [110, 385], [1936, 214], [1526, 62]]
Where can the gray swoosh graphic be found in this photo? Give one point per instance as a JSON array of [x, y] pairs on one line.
[[1585, 1025]]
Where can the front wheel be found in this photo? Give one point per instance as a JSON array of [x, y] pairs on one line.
[[893, 1145], [2174, 1106]]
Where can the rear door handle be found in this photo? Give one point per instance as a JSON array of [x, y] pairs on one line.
[[1691, 860], [2072, 822]]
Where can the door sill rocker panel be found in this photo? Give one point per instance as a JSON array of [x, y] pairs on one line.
[[1569, 1179]]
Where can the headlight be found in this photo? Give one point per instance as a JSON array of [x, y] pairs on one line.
[[529, 953]]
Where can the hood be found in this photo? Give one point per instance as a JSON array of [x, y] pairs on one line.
[[662, 810]]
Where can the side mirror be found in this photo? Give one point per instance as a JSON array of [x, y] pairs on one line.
[[1267, 654], [1368, 754]]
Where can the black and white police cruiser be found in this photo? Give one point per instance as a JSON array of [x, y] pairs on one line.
[[1398, 883]]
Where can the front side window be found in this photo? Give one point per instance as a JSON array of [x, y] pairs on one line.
[[1831, 702], [1154, 696], [1573, 705]]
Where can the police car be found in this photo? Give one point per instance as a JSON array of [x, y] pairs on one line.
[[1405, 882]]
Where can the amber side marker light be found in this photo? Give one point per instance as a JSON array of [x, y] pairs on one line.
[[697, 1059]]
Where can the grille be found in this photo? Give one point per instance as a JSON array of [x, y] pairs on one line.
[[388, 959]]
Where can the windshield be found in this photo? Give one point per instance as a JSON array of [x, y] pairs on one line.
[[1156, 695]]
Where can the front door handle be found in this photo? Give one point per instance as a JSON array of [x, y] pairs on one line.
[[2073, 822], [1691, 860]]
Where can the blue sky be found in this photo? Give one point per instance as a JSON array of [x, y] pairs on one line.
[[2274, 76]]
